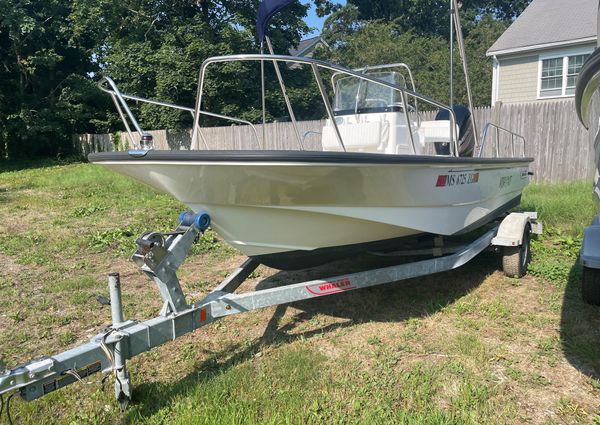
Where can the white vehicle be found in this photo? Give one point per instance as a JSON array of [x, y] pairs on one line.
[[587, 99]]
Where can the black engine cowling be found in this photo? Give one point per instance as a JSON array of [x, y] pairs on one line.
[[466, 137]]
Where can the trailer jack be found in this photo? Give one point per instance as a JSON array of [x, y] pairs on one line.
[[159, 256]]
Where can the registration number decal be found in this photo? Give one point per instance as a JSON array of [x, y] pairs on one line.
[[461, 179]]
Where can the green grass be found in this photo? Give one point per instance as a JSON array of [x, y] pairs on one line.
[[466, 347], [563, 208]]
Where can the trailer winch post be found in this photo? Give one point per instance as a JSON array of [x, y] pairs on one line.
[[122, 381]]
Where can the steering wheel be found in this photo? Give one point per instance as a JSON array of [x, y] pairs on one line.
[[401, 105], [376, 101]]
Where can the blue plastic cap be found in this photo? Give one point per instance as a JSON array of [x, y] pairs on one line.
[[182, 216], [202, 221]]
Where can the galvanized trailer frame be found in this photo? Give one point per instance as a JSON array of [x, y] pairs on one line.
[[160, 255]]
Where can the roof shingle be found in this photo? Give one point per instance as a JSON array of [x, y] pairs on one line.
[[305, 45], [550, 21]]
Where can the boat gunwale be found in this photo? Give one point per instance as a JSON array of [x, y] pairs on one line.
[[279, 156]]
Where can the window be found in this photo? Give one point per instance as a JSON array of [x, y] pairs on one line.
[[575, 65], [552, 77], [558, 75]]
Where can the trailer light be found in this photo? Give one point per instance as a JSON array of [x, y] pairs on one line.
[[203, 315]]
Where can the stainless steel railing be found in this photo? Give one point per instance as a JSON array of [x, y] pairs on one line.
[[119, 100], [497, 131], [316, 66]]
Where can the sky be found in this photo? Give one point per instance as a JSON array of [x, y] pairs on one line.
[[313, 20]]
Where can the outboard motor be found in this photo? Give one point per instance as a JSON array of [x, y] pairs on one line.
[[466, 137]]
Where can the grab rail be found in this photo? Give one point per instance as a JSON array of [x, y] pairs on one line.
[[315, 64], [121, 96], [498, 129], [308, 133], [117, 98]]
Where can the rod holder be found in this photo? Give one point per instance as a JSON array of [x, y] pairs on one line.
[[147, 142]]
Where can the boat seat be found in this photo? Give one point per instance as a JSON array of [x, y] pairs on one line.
[[435, 132], [360, 137], [466, 137]]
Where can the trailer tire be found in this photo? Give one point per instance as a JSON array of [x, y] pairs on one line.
[[515, 259], [590, 286]]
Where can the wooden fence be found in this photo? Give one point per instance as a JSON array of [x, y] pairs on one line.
[[554, 137]]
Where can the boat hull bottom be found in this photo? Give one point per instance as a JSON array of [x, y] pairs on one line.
[[298, 260]]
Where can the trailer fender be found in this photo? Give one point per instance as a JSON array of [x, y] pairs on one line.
[[512, 229]]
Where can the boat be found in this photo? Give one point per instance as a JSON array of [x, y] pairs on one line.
[[383, 177]]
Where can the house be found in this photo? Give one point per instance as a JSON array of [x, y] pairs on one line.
[[540, 55], [306, 48]]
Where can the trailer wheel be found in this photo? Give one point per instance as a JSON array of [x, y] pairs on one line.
[[590, 286], [515, 260]]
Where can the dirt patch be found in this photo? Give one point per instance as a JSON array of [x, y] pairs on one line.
[[9, 266]]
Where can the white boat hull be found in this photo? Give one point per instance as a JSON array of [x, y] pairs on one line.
[[265, 208]]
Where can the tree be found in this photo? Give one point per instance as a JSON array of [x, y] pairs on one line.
[[416, 32], [431, 17], [427, 56], [43, 80], [155, 49], [53, 51]]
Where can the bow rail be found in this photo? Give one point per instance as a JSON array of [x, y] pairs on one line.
[[120, 98]]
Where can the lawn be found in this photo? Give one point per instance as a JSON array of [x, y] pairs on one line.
[[469, 346]]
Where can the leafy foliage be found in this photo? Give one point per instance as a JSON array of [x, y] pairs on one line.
[[46, 95], [53, 51], [426, 52], [431, 17]]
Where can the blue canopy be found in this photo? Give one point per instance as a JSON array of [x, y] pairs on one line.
[[266, 11]]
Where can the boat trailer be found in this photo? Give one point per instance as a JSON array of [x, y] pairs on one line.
[[159, 256]]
